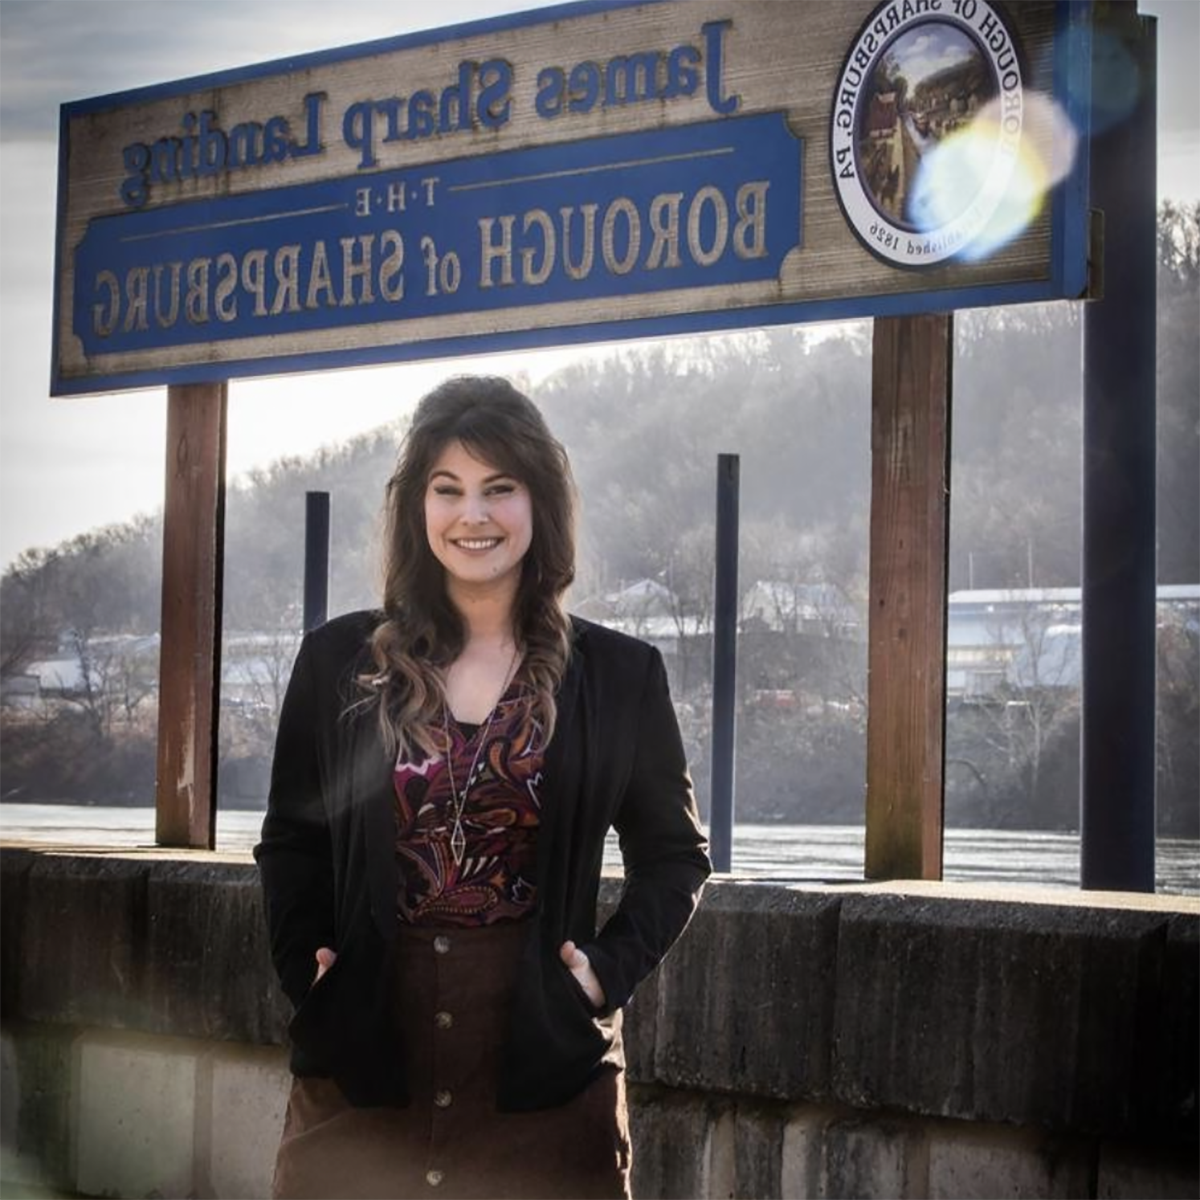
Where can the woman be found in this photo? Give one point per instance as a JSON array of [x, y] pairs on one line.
[[445, 772]]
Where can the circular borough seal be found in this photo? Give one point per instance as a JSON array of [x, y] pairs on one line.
[[926, 128]]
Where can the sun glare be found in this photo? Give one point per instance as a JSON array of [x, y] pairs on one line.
[[1009, 186]]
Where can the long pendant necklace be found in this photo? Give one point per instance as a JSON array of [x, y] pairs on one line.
[[458, 839]]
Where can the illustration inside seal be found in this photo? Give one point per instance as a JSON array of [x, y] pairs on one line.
[[929, 82]]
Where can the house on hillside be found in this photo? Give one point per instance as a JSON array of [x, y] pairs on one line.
[[817, 608], [649, 610]]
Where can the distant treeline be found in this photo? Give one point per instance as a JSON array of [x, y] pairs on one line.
[[644, 427]]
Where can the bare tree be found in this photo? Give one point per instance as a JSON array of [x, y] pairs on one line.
[[92, 692], [1177, 695], [28, 625], [256, 671], [1041, 649]]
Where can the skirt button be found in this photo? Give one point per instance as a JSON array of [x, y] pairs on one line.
[[433, 1178]]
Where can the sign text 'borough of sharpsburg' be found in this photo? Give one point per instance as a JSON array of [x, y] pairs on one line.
[[647, 167]]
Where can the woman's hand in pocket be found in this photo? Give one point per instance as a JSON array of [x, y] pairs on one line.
[[577, 963], [325, 959]]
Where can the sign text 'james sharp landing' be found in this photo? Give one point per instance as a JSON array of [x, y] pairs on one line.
[[588, 171]]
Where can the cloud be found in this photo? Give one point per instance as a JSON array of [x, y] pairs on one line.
[[68, 50]]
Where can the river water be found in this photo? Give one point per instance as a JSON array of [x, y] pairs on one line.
[[780, 853]]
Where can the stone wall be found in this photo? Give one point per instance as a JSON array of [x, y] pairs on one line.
[[857, 1040]]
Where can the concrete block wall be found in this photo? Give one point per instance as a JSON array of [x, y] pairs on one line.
[[860, 1040], [696, 1145], [106, 1113]]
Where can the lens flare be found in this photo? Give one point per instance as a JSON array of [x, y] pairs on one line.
[[1116, 82], [978, 180]]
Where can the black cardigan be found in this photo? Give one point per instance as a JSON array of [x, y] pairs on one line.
[[329, 875]]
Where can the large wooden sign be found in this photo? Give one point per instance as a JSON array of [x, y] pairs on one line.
[[582, 172]]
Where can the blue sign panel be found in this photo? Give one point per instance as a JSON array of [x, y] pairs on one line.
[[714, 203], [580, 172]]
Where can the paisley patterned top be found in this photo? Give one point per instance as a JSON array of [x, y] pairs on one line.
[[494, 881]]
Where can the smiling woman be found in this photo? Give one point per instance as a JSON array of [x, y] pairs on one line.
[[447, 770]]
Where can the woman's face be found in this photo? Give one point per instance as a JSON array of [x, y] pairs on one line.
[[479, 521]]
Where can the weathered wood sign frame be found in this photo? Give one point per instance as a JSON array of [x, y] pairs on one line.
[[579, 173], [583, 172]]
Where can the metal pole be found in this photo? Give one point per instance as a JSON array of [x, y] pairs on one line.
[[316, 559], [725, 615], [1118, 660]]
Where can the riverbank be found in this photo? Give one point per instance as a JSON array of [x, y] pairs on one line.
[[774, 853]]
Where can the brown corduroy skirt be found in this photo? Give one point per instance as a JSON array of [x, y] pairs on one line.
[[455, 987]]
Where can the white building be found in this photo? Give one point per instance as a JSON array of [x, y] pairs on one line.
[[1026, 638]]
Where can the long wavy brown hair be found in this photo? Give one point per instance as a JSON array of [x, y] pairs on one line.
[[422, 632]]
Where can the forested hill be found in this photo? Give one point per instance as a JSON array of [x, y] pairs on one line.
[[644, 426]]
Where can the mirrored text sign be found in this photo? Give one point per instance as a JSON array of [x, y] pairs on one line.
[[588, 171]]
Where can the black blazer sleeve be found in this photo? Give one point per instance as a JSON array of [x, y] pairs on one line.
[[294, 856], [662, 845]]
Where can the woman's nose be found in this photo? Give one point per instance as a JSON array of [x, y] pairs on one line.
[[475, 510]]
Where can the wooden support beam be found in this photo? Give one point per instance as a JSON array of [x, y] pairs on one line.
[[190, 658], [910, 523]]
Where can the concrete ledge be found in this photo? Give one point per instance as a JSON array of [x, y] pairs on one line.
[[1169, 1077], [206, 950], [14, 868], [83, 941], [1048, 1016], [176, 946], [1077, 1018], [745, 1002]]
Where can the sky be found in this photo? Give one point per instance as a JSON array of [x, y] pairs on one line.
[[68, 465]]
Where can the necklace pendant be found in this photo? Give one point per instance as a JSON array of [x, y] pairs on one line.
[[458, 843]]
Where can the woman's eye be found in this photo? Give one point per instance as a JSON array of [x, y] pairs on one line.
[[501, 489], [445, 490]]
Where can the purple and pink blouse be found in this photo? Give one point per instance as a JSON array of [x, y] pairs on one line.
[[502, 812]]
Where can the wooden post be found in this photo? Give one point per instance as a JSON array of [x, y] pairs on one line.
[[910, 522], [190, 658]]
